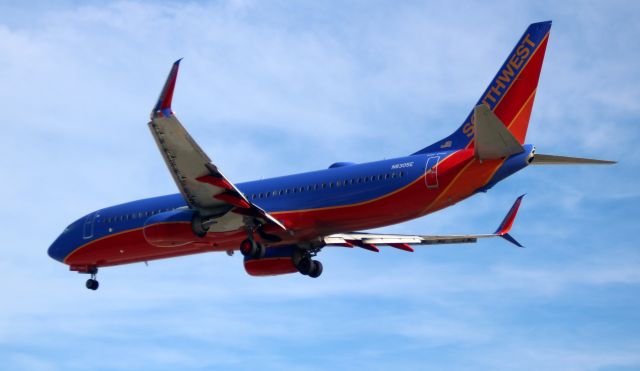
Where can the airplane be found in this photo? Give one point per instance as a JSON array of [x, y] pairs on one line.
[[280, 224]]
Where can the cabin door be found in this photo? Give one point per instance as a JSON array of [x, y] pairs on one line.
[[431, 172], [87, 231]]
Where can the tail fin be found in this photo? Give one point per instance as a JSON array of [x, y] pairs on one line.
[[510, 94]]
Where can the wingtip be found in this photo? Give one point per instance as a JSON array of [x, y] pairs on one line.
[[163, 106], [508, 220]]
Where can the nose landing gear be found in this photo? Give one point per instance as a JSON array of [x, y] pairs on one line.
[[92, 283]]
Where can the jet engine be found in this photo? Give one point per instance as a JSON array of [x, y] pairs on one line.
[[283, 260]]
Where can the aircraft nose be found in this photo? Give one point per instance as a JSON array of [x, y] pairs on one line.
[[57, 250]]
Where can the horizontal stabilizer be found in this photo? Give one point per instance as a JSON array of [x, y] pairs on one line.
[[540, 159], [493, 139]]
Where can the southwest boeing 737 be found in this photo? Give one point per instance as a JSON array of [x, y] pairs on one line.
[[281, 224]]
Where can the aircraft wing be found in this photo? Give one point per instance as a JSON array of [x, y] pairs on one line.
[[369, 241], [201, 183]]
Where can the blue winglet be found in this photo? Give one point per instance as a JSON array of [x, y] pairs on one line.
[[508, 237], [163, 105]]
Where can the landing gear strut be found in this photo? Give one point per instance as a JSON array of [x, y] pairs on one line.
[[198, 227], [92, 283]]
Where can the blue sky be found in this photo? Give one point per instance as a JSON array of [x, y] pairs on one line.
[[270, 88]]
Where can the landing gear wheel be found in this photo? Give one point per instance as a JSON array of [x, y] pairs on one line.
[[248, 248], [92, 284], [252, 249], [197, 227], [316, 271], [305, 265]]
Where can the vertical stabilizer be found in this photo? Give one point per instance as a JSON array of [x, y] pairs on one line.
[[510, 94]]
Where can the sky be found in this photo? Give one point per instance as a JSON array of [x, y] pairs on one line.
[[270, 88]]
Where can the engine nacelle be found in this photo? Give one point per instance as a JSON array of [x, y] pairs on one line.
[[277, 260], [170, 229]]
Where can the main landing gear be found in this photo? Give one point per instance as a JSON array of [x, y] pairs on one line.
[[302, 260], [92, 283], [309, 267], [252, 249]]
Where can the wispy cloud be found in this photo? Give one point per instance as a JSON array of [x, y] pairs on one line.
[[274, 88]]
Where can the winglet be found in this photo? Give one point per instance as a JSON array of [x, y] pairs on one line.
[[507, 222], [163, 106]]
